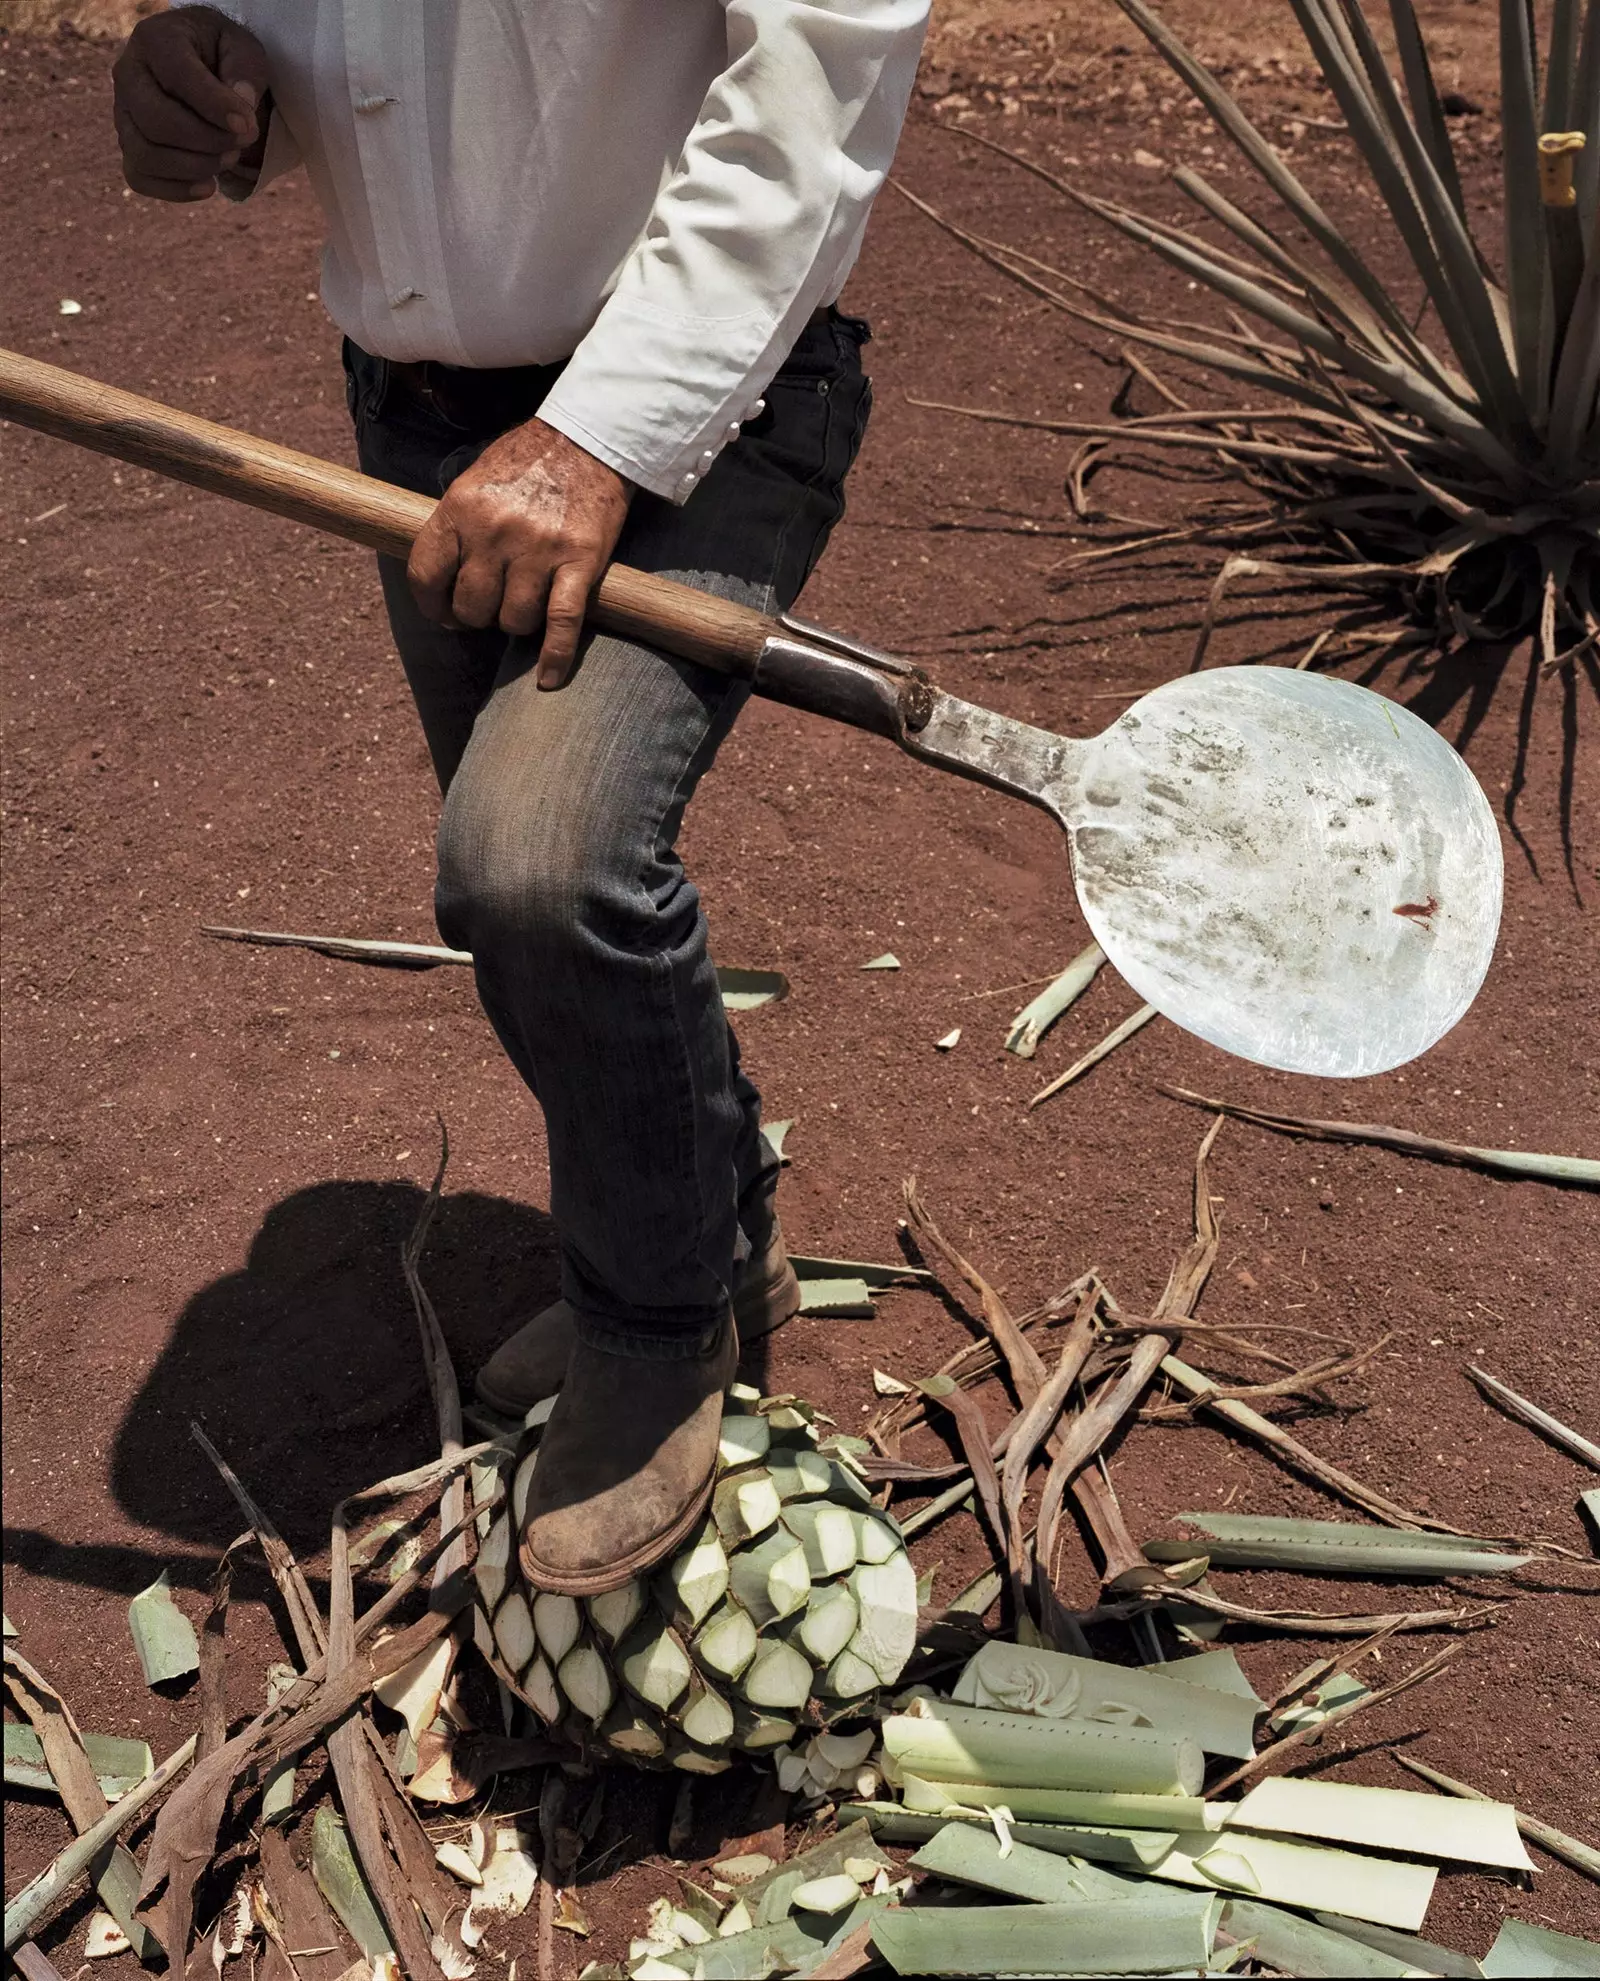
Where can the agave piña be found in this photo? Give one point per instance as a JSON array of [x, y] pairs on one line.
[[796, 1599]]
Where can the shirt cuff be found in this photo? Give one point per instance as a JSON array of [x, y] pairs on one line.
[[663, 423]]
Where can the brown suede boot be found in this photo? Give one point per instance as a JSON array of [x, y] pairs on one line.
[[625, 1467], [529, 1367]]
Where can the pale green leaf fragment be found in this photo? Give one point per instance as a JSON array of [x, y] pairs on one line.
[[1590, 1502], [277, 1791], [768, 1896], [790, 1947], [1114, 1813], [1521, 1949], [1398, 1819], [11, 1629], [1143, 1934], [1220, 1670], [743, 990], [1035, 1019], [1310, 1876], [827, 1895], [1423, 1956], [1057, 1685], [776, 1133], [339, 1879], [1338, 1547], [971, 1855], [887, 961], [1296, 1946], [945, 1742], [1315, 1708], [163, 1636], [840, 1299], [118, 1764]]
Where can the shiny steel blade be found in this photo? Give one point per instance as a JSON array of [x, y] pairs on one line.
[[1287, 865]]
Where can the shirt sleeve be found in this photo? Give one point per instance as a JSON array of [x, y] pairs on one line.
[[756, 227]]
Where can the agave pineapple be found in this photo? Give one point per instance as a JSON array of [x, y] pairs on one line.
[[795, 1600]]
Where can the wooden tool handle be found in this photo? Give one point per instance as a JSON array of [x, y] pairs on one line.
[[689, 623]]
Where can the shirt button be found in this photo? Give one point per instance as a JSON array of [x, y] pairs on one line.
[[756, 410], [688, 481]]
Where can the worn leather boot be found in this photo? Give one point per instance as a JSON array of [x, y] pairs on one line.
[[529, 1367], [625, 1467]]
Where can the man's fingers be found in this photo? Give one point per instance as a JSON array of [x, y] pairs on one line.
[[242, 65], [480, 584], [178, 66], [160, 118], [527, 581], [432, 566], [176, 190], [563, 622]]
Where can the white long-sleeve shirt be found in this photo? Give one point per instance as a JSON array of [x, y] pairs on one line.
[[663, 189]]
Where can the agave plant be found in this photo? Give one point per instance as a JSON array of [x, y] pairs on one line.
[[796, 1600], [1452, 456]]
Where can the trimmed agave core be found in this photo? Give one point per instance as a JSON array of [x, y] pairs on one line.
[[795, 1601]]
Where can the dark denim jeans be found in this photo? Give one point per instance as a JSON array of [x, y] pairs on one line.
[[558, 866]]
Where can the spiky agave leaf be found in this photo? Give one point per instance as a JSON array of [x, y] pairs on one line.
[[1466, 479]]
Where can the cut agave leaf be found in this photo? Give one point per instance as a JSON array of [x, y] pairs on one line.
[[162, 1635], [1419, 1956], [945, 1742], [1309, 1876], [616, 1612], [968, 1855], [415, 1689], [757, 1732], [800, 1474], [827, 1533], [586, 1680], [744, 1440], [1035, 1019], [828, 1622], [743, 1506], [695, 1761], [557, 1620], [1056, 1685], [778, 1678], [850, 1677], [837, 1299], [827, 1895], [698, 1578], [521, 1481], [654, 1664], [705, 1716], [1066, 1805], [1534, 1950], [1292, 1945], [629, 1731], [745, 990], [1145, 1934], [539, 1689], [514, 1631], [771, 1580], [493, 1566], [1397, 1819], [886, 1597], [339, 1879], [1338, 1547], [727, 1642], [118, 1764], [1220, 1670]]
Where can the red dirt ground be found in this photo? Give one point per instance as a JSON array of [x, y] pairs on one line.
[[213, 1152]]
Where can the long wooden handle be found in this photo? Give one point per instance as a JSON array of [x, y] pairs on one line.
[[632, 603]]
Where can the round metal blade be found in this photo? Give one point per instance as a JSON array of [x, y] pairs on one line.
[[1290, 866]]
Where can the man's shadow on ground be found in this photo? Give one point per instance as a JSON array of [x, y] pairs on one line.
[[304, 1367]]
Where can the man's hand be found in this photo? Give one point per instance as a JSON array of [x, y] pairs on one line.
[[521, 537], [186, 87]]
